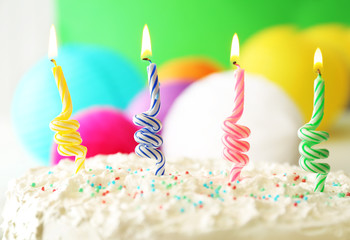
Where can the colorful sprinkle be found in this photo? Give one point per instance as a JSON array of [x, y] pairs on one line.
[[173, 182], [341, 195]]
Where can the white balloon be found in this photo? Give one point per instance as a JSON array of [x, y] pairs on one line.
[[192, 127]]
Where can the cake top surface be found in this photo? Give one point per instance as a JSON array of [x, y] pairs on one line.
[[118, 195]]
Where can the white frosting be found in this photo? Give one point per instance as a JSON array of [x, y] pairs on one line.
[[197, 205]]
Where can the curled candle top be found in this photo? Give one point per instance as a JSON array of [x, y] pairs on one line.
[[147, 137], [311, 137], [67, 137], [234, 147]]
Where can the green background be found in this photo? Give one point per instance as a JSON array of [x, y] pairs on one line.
[[184, 27]]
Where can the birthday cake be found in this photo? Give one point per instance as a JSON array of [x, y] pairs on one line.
[[118, 197]]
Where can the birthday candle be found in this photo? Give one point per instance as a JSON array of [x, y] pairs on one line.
[[66, 137], [147, 137], [311, 137], [234, 147]]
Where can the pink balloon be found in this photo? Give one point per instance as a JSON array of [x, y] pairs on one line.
[[168, 93], [104, 130]]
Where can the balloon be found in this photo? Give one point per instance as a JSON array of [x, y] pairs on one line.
[[104, 130], [187, 68], [283, 56], [168, 93], [94, 75], [193, 129], [334, 37]]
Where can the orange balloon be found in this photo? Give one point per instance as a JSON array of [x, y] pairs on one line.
[[187, 69]]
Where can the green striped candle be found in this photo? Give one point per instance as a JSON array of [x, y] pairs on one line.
[[310, 137]]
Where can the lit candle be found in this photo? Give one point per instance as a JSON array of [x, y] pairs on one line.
[[311, 137], [147, 137], [234, 147], [66, 137]]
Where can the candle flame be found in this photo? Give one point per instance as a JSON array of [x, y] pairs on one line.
[[52, 53], [318, 61], [146, 50], [234, 49]]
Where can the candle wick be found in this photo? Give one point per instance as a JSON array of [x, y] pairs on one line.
[[236, 64], [147, 59], [53, 60], [319, 72]]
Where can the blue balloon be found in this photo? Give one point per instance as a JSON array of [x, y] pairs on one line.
[[94, 75]]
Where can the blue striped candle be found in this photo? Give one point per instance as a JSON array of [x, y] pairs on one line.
[[147, 137]]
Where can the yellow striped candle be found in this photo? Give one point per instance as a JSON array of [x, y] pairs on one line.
[[66, 137]]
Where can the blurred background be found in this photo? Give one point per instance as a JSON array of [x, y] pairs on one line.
[[99, 51]]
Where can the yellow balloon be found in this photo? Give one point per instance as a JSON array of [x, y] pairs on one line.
[[333, 37], [284, 56]]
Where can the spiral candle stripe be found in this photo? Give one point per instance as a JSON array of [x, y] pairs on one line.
[[234, 147], [67, 137], [311, 137], [147, 137]]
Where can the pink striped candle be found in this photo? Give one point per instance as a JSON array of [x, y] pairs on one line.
[[234, 146]]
